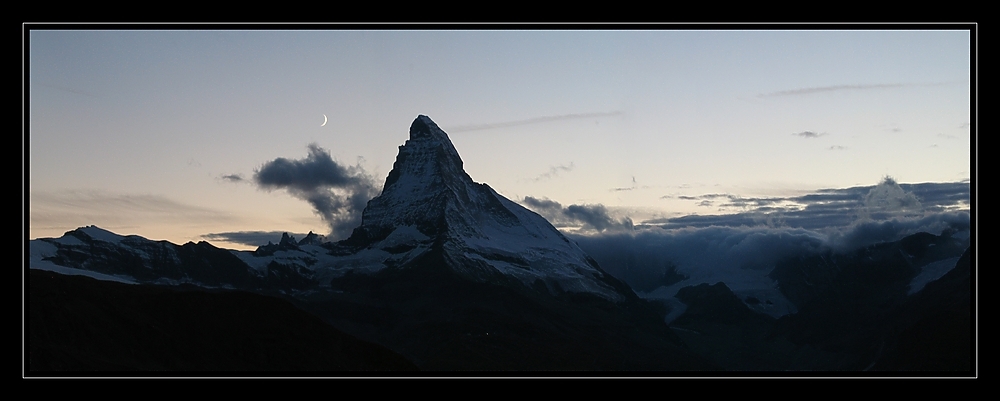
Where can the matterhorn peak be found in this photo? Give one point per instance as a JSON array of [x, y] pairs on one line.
[[430, 204], [424, 127], [427, 156]]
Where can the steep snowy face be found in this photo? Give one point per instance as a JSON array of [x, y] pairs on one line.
[[428, 189], [429, 198]]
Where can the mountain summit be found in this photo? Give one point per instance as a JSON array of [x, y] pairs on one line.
[[429, 204]]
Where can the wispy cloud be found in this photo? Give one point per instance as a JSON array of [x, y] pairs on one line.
[[232, 177], [535, 120], [832, 88], [809, 134], [855, 87], [554, 171], [632, 188], [108, 209]]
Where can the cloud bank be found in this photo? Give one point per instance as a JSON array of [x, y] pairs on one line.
[[827, 207], [338, 193], [740, 249]]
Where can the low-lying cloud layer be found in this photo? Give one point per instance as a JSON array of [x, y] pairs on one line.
[[740, 249], [338, 193], [827, 207], [251, 238]]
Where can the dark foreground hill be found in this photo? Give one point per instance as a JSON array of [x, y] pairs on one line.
[[79, 325]]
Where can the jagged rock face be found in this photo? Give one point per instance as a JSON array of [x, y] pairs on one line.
[[430, 202], [429, 189]]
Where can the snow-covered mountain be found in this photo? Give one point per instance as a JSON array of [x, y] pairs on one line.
[[453, 276], [429, 204]]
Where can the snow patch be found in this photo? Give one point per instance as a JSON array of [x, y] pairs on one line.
[[930, 272], [69, 271], [69, 240], [101, 234]]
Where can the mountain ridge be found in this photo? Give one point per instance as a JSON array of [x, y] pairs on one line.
[[453, 276]]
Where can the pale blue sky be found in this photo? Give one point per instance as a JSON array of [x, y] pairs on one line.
[[134, 130]]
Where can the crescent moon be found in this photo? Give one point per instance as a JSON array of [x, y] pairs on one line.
[[324, 121]]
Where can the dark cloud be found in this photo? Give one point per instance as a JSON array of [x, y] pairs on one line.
[[595, 216], [535, 120], [338, 193], [809, 134], [542, 204], [588, 217]]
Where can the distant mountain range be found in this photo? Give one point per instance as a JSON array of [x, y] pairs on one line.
[[446, 275]]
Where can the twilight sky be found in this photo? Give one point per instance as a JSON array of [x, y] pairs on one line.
[[160, 133]]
